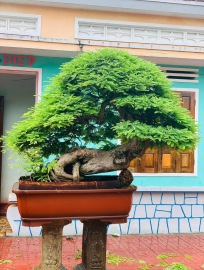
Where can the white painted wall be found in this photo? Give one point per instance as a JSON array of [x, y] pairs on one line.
[[18, 92]]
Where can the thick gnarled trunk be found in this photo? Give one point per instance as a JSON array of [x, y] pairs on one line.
[[73, 166]]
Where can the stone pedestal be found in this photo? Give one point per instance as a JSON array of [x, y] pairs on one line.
[[51, 254], [93, 246]]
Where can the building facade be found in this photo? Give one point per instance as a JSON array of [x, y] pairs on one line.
[[37, 36]]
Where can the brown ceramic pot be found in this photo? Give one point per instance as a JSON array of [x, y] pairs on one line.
[[41, 206]]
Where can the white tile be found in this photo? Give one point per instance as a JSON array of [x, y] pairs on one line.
[[187, 210], [140, 211], [150, 210], [163, 226], [134, 226], [69, 229], [191, 195], [177, 211], [164, 207], [13, 214], [156, 198], [179, 198], [168, 198], [190, 200], [132, 211], [197, 210], [173, 225], [184, 225], [154, 223], [195, 223], [124, 227], [163, 211], [24, 231], [200, 198], [202, 225], [36, 231], [146, 199], [145, 227], [113, 228], [136, 198], [162, 214], [79, 226]]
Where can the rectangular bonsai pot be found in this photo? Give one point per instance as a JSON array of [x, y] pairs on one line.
[[47, 205]]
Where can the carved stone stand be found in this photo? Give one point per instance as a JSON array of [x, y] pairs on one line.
[[51, 255], [93, 246]]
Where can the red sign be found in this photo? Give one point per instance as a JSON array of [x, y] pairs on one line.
[[18, 60]]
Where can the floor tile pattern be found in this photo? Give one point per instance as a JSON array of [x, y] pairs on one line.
[[144, 248]]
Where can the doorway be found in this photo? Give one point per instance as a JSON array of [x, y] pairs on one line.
[[16, 96]]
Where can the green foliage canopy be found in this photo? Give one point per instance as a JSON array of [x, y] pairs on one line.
[[98, 97]]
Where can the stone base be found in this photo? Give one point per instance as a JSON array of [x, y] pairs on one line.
[[51, 255], [38, 268], [93, 245], [81, 267]]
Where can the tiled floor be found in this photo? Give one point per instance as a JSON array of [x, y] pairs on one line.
[[140, 248]]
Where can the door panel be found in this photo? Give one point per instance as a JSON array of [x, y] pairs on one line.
[[185, 159], [167, 161], [188, 102], [149, 161], [185, 162]]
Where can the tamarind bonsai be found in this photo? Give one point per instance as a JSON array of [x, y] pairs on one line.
[[96, 98]]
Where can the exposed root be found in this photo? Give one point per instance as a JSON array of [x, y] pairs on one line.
[[74, 165], [75, 172], [54, 176]]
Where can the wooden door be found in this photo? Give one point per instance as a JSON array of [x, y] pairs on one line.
[[167, 160], [185, 159]]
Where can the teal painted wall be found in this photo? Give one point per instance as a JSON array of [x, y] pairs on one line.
[[50, 67]]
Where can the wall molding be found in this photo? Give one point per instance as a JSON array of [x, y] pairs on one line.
[[122, 31], [104, 43]]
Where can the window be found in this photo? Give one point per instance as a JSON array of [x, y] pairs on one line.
[[20, 24], [166, 160]]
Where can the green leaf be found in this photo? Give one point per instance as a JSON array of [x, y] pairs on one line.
[[5, 261], [162, 264], [140, 261], [188, 256]]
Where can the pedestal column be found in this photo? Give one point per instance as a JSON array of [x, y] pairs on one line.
[[93, 246], [51, 254]]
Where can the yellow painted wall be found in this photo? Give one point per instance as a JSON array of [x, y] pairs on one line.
[[60, 23]]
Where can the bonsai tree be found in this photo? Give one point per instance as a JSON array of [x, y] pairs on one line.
[[97, 98]]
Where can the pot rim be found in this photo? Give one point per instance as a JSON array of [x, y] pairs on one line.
[[16, 190]]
